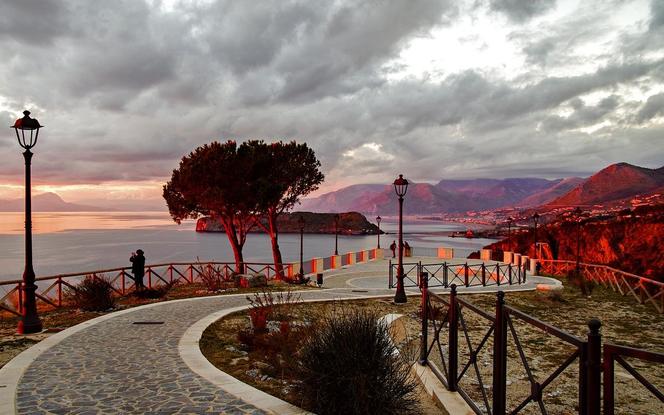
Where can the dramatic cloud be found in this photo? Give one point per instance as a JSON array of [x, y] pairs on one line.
[[431, 89]]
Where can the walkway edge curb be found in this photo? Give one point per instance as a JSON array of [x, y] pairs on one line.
[[190, 352]]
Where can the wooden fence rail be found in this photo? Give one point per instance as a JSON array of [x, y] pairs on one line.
[[644, 290]]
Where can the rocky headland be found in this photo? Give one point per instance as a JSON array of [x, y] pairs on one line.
[[350, 223], [631, 241]]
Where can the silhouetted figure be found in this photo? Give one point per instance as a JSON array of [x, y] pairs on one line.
[[393, 247], [538, 268], [406, 248], [138, 268]]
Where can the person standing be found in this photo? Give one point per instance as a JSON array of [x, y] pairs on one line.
[[138, 268], [406, 248], [393, 247]]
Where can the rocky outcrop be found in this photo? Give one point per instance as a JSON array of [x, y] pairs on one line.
[[350, 223], [631, 241]]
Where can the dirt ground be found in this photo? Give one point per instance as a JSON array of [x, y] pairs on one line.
[[624, 322], [221, 346]]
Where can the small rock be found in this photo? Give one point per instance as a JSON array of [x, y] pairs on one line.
[[254, 373]]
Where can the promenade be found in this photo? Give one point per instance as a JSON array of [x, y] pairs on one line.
[[111, 364]]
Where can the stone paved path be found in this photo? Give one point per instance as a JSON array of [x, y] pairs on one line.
[[116, 366]]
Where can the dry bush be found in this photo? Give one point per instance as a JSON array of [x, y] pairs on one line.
[[94, 293], [349, 366], [211, 276]]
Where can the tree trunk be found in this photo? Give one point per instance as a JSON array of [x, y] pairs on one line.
[[274, 239], [231, 233]]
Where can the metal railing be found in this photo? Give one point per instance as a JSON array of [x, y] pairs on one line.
[[459, 363], [444, 274], [51, 289], [122, 281], [644, 290]]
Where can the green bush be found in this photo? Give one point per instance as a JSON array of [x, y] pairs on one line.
[[94, 293], [349, 366]]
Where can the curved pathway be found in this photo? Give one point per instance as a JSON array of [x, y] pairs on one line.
[[112, 365], [115, 366]]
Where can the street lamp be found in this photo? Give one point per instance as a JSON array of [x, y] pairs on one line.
[[336, 234], [27, 131], [378, 219], [301, 223], [400, 187], [577, 214], [536, 217], [509, 232]]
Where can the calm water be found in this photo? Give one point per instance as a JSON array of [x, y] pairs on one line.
[[76, 242]]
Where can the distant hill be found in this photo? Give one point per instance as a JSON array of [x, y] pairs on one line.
[[559, 189], [342, 200], [616, 182], [47, 202], [449, 196]]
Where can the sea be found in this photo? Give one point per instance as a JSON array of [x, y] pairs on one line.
[[89, 241]]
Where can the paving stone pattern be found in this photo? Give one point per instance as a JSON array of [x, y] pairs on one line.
[[119, 367]]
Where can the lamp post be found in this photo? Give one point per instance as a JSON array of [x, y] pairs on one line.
[[509, 232], [301, 223], [378, 219], [336, 234], [400, 187], [536, 217], [577, 214], [27, 131]]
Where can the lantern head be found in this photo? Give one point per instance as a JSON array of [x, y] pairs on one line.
[[401, 186], [27, 130]]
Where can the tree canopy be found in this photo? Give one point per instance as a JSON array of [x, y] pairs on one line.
[[243, 186]]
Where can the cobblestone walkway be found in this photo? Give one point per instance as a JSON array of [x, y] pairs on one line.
[[116, 366]]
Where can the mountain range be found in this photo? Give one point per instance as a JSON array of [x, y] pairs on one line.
[[614, 183], [47, 202]]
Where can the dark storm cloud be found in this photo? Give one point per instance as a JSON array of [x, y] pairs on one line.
[[35, 22], [522, 10], [652, 108], [126, 88]]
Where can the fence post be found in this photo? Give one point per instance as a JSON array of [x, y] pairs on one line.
[[59, 291], [123, 281], [453, 323], [149, 277], [20, 297], [500, 357], [509, 273], [419, 274], [391, 278], [425, 319], [594, 367], [445, 281], [497, 274], [483, 275], [465, 274], [170, 272], [608, 387]]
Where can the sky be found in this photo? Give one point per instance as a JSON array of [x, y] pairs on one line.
[[432, 89]]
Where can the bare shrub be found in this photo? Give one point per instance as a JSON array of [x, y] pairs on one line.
[[349, 366], [265, 305], [212, 277], [94, 293]]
